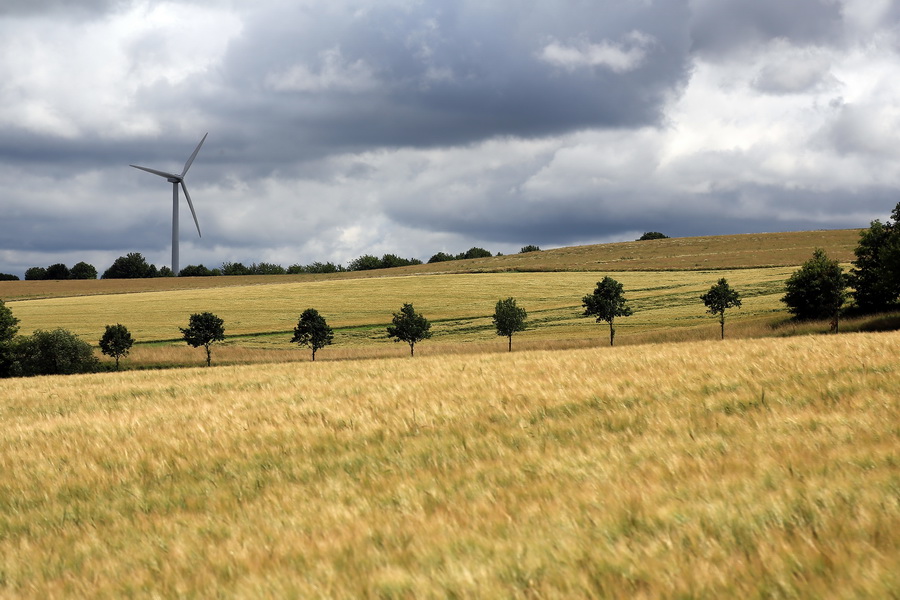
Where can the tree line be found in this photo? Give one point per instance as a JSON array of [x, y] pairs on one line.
[[134, 266]]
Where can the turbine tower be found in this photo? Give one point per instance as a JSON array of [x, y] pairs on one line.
[[177, 180]]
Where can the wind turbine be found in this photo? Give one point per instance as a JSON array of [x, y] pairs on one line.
[[177, 180]]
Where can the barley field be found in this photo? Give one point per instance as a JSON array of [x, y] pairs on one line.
[[741, 469]]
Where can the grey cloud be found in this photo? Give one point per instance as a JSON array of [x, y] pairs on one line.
[[721, 27], [454, 74]]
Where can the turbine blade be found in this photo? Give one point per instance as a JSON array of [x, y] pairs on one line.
[[155, 172], [187, 165], [191, 206]]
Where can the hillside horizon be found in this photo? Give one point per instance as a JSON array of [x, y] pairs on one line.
[[732, 251]]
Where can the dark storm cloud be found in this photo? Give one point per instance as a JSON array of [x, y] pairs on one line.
[[432, 75], [720, 27], [745, 209]]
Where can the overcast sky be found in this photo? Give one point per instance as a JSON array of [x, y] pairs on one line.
[[347, 127]]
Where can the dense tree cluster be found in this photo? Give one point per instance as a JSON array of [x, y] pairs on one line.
[[8, 277], [875, 276], [817, 290], [81, 270], [529, 248], [368, 262]]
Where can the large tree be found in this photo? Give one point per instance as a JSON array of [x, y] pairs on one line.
[[509, 318], [9, 327], [312, 331], [116, 342], [204, 329], [875, 276], [57, 271], [606, 303], [410, 327], [83, 270], [720, 298], [817, 290]]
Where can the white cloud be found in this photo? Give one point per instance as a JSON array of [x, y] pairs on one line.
[[617, 57], [71, 78]]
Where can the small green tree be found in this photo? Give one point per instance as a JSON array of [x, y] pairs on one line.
[[509, 318], [410, 327], [720, 298], [204, 329], [606, 303], [312, 331], [9, 327], [116, 342], [817, 290], [529, 248], [652, 235]]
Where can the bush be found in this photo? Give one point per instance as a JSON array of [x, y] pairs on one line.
[[8, 277], [529, 248], [57, 352], [653, 235]]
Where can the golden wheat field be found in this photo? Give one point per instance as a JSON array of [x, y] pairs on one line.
[[735, 469]]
